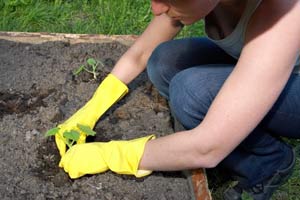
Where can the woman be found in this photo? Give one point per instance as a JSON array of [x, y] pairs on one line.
[[235, 91]]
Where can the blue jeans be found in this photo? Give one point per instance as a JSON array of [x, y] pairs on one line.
[[190, 72]]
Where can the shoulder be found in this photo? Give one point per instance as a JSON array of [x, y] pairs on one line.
[[273, 37], [272, 14], [275, 8]]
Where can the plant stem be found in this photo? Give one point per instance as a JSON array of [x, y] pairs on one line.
[[92, 72], [88, 70], [66, 141]]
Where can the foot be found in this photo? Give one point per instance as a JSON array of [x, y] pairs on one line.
[[264, 190]]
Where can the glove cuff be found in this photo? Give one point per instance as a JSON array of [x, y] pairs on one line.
[[140, 151], [113, 86], [109, 92], [125, 156]]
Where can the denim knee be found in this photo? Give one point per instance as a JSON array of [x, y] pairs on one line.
[[189, 97], [158, 69]]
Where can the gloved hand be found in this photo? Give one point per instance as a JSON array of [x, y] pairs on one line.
[[122, 157], [110, 90]]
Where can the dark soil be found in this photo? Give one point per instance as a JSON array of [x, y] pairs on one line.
[[38, 91]]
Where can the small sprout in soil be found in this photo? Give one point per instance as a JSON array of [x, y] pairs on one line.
[[70, 137], [91, 67]]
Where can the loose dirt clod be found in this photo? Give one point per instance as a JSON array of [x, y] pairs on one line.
[[19, 103]]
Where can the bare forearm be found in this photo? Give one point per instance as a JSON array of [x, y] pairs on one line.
[[181, 150], [134, 61], [128, 67]]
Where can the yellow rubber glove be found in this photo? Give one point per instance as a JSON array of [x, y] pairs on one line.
[[109, 91], [122, 157]]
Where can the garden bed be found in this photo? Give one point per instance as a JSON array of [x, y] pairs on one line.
[[39, 91]]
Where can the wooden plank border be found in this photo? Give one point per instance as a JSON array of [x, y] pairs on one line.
[[35, 38]]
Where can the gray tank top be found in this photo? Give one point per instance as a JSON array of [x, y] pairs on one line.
[[233, 43]]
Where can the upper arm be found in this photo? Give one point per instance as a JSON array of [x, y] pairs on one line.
[[265, 64], [133, 62], [273, 34], [162, 28]]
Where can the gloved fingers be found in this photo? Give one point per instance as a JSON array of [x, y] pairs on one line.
[[67, 159], [60, 143], [60, 140], [82, 138], [77, 173], [83, 159]]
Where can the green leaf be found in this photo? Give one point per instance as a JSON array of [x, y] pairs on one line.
[[71, 135], [92, 62], [86, 129], [76, 72], [51, 132]]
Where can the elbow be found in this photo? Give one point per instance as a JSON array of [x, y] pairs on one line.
[[208, 161], [209, 156], [208, 151], [214, 160]]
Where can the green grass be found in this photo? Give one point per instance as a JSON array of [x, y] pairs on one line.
[[291, 190], [81, 16]]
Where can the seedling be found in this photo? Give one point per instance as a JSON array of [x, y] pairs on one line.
[[70, 137], [91, 67]]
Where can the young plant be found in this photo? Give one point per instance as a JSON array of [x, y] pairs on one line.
[[91, 67], [70, 137]]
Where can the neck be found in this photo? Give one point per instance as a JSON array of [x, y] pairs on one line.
[[225, 17]]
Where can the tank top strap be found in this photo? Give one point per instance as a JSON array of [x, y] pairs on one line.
[[234, 42]]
